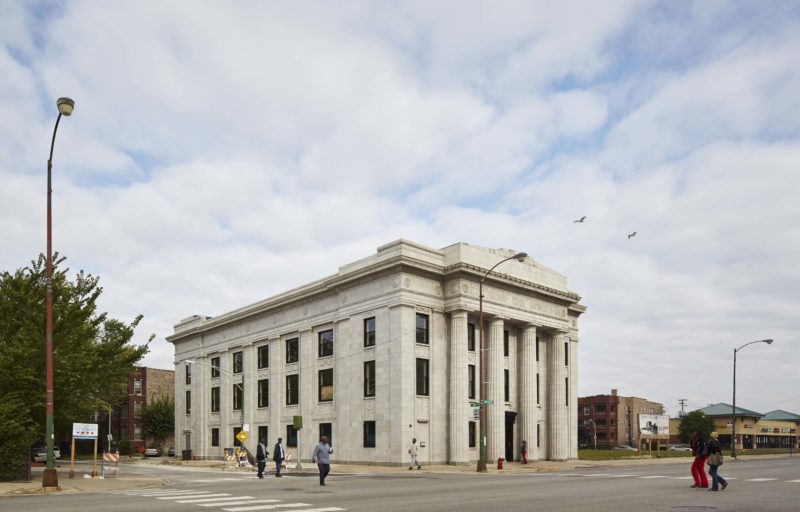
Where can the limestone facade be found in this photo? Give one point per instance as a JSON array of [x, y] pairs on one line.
[[405, 361]]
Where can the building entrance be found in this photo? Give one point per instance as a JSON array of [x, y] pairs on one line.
[[511, 418]]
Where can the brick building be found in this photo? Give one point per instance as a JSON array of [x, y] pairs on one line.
[[144, 386], [613, 419]]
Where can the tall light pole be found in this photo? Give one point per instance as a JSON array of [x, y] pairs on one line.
[[594, 429], [50, 476], [482, 460], [232, 377], [733, 425]]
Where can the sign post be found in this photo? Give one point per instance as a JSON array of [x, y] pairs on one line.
[[84, 431]]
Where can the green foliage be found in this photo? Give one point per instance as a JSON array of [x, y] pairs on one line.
[[158, 419], [17, 433], [124, 447], [92, 354], [694, 421]]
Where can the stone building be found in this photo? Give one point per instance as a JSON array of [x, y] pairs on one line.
[[385, 350]]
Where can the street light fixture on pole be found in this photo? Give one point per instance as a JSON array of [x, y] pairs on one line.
[[232, 376], [50, 475], [482, 460], [733, 425]]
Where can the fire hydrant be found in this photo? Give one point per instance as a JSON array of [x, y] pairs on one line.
[[500, 462]]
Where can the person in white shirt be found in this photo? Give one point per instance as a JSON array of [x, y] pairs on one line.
[[413, 452]]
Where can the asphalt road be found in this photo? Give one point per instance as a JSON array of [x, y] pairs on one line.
[[762, 486]]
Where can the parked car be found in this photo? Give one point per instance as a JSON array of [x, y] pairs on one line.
[[626, 447], [171, 451], [152, 452], [680, 448], [40, 453]]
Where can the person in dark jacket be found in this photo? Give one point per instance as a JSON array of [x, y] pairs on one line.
[[278, 456], [700, 452], [261, 457], [713, 466]]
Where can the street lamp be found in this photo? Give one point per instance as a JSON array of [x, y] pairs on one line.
[[50, 476], [520, 256], [733, 425], [594, 429], [232, 377]]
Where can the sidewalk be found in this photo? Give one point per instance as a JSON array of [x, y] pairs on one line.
[[127, 481]]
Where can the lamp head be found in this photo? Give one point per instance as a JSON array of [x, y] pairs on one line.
[[65, 106], [520, 256], [768, 342]]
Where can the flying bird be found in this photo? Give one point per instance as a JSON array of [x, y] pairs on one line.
[[580, 220], [632, 235]]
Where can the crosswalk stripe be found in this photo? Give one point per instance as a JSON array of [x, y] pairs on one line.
[[189, 496], [165, 493], [682, 478], [620, 476], [760, 479], [652, 476], [246, 502], [206, 500], [794, 481], [326, 509], [267, 507]]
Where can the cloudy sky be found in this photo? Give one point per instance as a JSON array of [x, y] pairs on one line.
[[222, 152]]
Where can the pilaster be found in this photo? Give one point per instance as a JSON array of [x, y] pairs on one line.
[[528, 410], [458, 389], [495, 412]]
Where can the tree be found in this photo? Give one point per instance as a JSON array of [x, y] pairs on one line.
[[158, 419], [16, 433], [695, 421], [92, 354]]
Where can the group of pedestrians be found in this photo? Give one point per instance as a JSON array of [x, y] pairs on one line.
[[707, 453], [321, 456]]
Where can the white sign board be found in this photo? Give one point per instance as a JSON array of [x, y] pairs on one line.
[[653, 425], [84, 430], [246, 427]]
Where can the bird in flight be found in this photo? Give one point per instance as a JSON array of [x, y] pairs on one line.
[[580, 220], [632, 235]]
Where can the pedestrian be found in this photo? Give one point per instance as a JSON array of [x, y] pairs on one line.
[[321, 456], [714, 462], [524, 451], [261, 457], [700, 452], [413, 452], [278, 456]]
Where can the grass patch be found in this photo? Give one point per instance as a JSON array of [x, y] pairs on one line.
[[624, 454]]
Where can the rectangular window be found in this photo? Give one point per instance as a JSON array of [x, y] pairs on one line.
[[137, 409], [537, 349], [369, 434], [188, 378], [369, 332], [263, 434], [292, 389], [325, 343], [369, 378], [566, 353], [538, 435], [237, 398], [292, 350], [326, 429], [215, 399], [471, 380], [587, 410], [291, 436], [505, 343], [236, 441], [537, 390], [471, 430], [137, 433], [566, 391], [214, 437], [471, 337], [215, 371], [188, 402], [506, 390], [422, 329], [263, 356], [263, 392], [326, 385], [238, 362], [137, 386], [422, 377]]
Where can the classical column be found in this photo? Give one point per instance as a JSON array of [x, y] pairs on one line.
[[495, 412], [557, 409], [526, 368], [459, 453], [573, 397]]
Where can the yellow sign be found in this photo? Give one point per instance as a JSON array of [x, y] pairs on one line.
[[241, 436]]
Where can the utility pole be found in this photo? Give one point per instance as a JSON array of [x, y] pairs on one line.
[[682, 401]]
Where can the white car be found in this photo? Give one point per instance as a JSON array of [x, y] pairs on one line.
[[626, 447], [40, 454], [680, 448]]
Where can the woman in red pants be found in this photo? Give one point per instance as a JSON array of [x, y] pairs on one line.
[[700, 452]]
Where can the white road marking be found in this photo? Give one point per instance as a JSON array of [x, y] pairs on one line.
[[794, 481], [267, 507], [189, 496], [760, 479], [652, 476], [246, 502], [620, 476], [681, 478], [205, 500], [166, 493]]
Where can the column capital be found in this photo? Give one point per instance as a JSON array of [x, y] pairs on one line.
[[459, 313]]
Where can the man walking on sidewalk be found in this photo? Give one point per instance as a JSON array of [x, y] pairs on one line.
[[278, 456], [413, 451], [261, 457], [321, 456]]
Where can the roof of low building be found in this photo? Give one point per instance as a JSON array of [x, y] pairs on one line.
[[782, 415], [723, 409]]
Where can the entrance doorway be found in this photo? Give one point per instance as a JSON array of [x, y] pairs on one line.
[[511, 418]]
